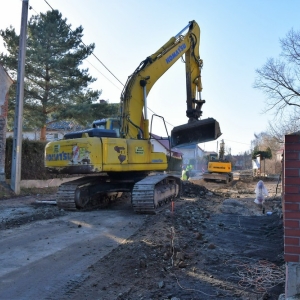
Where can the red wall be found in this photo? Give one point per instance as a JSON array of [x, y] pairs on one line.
[[291, 198]]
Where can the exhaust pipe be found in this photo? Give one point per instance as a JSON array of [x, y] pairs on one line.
[[198, 131]]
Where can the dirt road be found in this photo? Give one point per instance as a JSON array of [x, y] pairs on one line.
[[41, 259], [214, 242]]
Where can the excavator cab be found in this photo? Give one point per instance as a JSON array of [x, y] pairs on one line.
[[197, 131], [109, 123]]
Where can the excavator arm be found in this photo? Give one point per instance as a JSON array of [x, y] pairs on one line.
[[134, 119]]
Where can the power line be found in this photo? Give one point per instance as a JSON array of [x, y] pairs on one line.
[[101, 63], [30, 7], [156, 114], [92, 53], [238, 142], [104, 66], [103, 74]]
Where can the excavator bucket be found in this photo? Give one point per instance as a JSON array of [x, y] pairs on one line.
[[195, 132]]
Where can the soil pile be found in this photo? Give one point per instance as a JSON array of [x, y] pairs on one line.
[[194, 249]]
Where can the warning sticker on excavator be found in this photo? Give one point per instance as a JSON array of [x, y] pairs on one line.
[[139, 150]]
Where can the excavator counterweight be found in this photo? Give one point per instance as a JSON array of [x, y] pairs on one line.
[[198, 131]]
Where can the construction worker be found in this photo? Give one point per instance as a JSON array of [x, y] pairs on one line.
[[188, 170], [183, 174]]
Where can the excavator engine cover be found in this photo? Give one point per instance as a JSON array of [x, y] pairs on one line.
[[199, 131]]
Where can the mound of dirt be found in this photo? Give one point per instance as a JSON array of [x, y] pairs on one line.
[[194, 249]]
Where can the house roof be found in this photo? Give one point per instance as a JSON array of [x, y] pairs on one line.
[[8, 77], [5, 82], [64, 125]]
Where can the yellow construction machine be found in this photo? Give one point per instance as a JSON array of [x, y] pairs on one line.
[[218, 168], [117, 156]]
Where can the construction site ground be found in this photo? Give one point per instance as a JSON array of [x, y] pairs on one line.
[[212, 243]]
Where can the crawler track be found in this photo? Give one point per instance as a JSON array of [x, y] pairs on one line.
[[97, 191], [154, 191], [87, 193]]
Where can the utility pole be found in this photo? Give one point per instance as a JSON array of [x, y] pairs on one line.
[[18, 122]]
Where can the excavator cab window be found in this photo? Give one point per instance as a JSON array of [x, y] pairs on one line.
[[101, 124], [115, 125], [109, 124], [213, 157]]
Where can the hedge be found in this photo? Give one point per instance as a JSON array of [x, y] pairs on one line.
[[32, 160]]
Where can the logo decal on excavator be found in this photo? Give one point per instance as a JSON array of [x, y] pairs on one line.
[[79, 155], [157, 160], [175, 53], [59, 156], [122, 155]]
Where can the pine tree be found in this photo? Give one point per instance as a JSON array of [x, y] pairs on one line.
[[54, 82]]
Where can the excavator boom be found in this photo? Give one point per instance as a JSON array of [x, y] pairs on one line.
[[135, 124]]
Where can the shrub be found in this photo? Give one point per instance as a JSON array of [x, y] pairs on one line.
[[32, 160]]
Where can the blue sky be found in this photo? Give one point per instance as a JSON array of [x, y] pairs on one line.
[[237, 37]]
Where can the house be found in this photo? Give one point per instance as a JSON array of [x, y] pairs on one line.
[[279, 155], [194, 155], [51, 135], [162, 144], [238, 162], [55, 131]]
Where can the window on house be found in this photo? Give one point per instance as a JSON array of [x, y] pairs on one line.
[[56, 136]]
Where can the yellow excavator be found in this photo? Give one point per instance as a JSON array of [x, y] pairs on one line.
[[117, 156], [218, 168]]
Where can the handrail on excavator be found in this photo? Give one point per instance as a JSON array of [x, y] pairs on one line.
[[184, 29]]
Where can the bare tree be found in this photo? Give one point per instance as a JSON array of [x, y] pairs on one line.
[[289, 124], [265, 141], [258, 141], [279, 78]]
